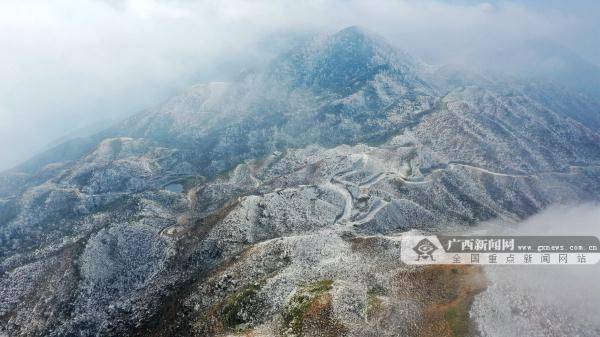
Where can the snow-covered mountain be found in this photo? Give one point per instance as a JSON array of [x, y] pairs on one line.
[[272, 205]]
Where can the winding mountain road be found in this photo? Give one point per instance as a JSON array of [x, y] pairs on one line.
[[338, 184]]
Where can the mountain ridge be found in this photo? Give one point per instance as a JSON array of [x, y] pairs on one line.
[[213, 212]]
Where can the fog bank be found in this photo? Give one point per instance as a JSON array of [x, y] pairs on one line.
[[68, 65]]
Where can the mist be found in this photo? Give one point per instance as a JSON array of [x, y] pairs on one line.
[[70, 68], [543, 300]]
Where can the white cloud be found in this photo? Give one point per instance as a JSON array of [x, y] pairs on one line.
[[65, 64], [521, 300]]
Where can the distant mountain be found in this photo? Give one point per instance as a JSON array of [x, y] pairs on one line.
[[253, 206], [544, 62]]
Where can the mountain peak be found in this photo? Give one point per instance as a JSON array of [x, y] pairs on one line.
[[342, 61], [353, 32], [357, 43]]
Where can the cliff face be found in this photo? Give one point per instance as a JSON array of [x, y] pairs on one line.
[[275, 204]]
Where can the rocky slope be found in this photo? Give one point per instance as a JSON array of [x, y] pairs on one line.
[[275, 205]]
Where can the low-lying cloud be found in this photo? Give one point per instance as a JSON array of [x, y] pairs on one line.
[[544, 300], [66, 64]]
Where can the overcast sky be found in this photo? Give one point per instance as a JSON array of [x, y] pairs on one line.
[[72, 65]]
